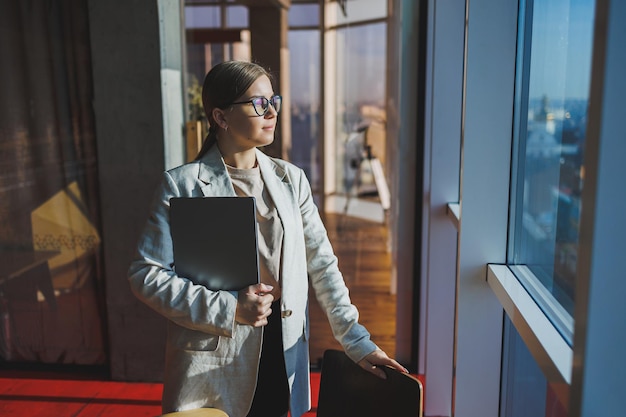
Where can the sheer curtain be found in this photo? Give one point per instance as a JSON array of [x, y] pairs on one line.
[[51, 290]]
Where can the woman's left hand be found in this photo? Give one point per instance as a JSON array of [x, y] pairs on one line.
[[378, 358]]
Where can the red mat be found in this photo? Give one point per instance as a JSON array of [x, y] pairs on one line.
[[22, 396]]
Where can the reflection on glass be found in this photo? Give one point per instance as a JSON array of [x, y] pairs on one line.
[[304, 15], [237, 17], [551, 138], [202, 17], [525, 390], [358, 10], [361, 118], [305, 103]]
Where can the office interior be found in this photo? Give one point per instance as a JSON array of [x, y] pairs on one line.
[[496, 128]]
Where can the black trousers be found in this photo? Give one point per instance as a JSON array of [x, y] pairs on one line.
[[271, 398]]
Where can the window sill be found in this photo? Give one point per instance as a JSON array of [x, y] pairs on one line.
[[454, 213], [546, 344]]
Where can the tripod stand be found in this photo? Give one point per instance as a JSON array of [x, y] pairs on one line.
[[376, 168]]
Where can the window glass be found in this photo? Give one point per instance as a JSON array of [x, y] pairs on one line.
[[358, 10], [305, 104], [304, 15], [237, 17], [202, 17], [525, 389], [361, 117], [552, 92]]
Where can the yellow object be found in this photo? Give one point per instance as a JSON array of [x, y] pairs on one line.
[[61, 224], [197, 412]]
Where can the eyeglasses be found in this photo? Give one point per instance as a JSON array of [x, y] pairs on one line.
[[262, 104]]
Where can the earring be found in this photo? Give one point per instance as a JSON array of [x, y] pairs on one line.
[[226, 128]]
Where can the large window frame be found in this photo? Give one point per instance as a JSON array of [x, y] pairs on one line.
[[485, 94], [593, 364]]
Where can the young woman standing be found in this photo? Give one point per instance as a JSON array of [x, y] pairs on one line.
[[246, 352]]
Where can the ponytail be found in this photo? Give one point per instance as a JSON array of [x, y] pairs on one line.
[[209, 141]]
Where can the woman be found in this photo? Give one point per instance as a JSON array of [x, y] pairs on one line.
[[247, 352]]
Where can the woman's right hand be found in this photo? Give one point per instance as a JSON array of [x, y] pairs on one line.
[[253, 305]]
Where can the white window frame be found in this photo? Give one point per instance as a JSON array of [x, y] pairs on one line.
[[442, 144], [469, 107], [595, 364]]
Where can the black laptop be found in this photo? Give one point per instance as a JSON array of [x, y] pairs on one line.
[[215, 241]]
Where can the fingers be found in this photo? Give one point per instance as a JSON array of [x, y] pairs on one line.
[[395, 365], [377, 359], [260, 319], [370, 367], [380, 358], [262, 289], [254, 305], [253, 313]]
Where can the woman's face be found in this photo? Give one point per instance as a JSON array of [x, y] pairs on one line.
[[246, 129]]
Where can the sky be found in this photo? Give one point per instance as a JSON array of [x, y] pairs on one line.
[[562, 39]]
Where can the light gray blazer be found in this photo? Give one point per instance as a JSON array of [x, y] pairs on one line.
[[212, 361]]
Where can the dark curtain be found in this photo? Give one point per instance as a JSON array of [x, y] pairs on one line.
[[51, 294]]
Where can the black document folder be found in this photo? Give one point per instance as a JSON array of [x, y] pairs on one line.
[[215, 241]]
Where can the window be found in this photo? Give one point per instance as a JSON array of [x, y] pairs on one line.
[[237, 17], [304, 15], [203, 17], [526, 391], [305, 77], [358, 10], [360, 118], [305, 105], [553, 72], [552, 91]]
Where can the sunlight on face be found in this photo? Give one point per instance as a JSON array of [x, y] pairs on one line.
[[246, 129]]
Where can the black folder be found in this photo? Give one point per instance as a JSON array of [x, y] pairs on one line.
[[215, 241]]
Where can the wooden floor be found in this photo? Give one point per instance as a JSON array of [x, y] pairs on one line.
[[361, 248]]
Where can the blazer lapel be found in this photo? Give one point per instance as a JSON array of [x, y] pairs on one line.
[[279, 189], [285, 199], [213, 174]]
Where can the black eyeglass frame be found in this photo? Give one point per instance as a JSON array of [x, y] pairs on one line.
[[265, 103]]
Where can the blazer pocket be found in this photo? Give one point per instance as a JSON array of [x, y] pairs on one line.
[[193, 340]]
